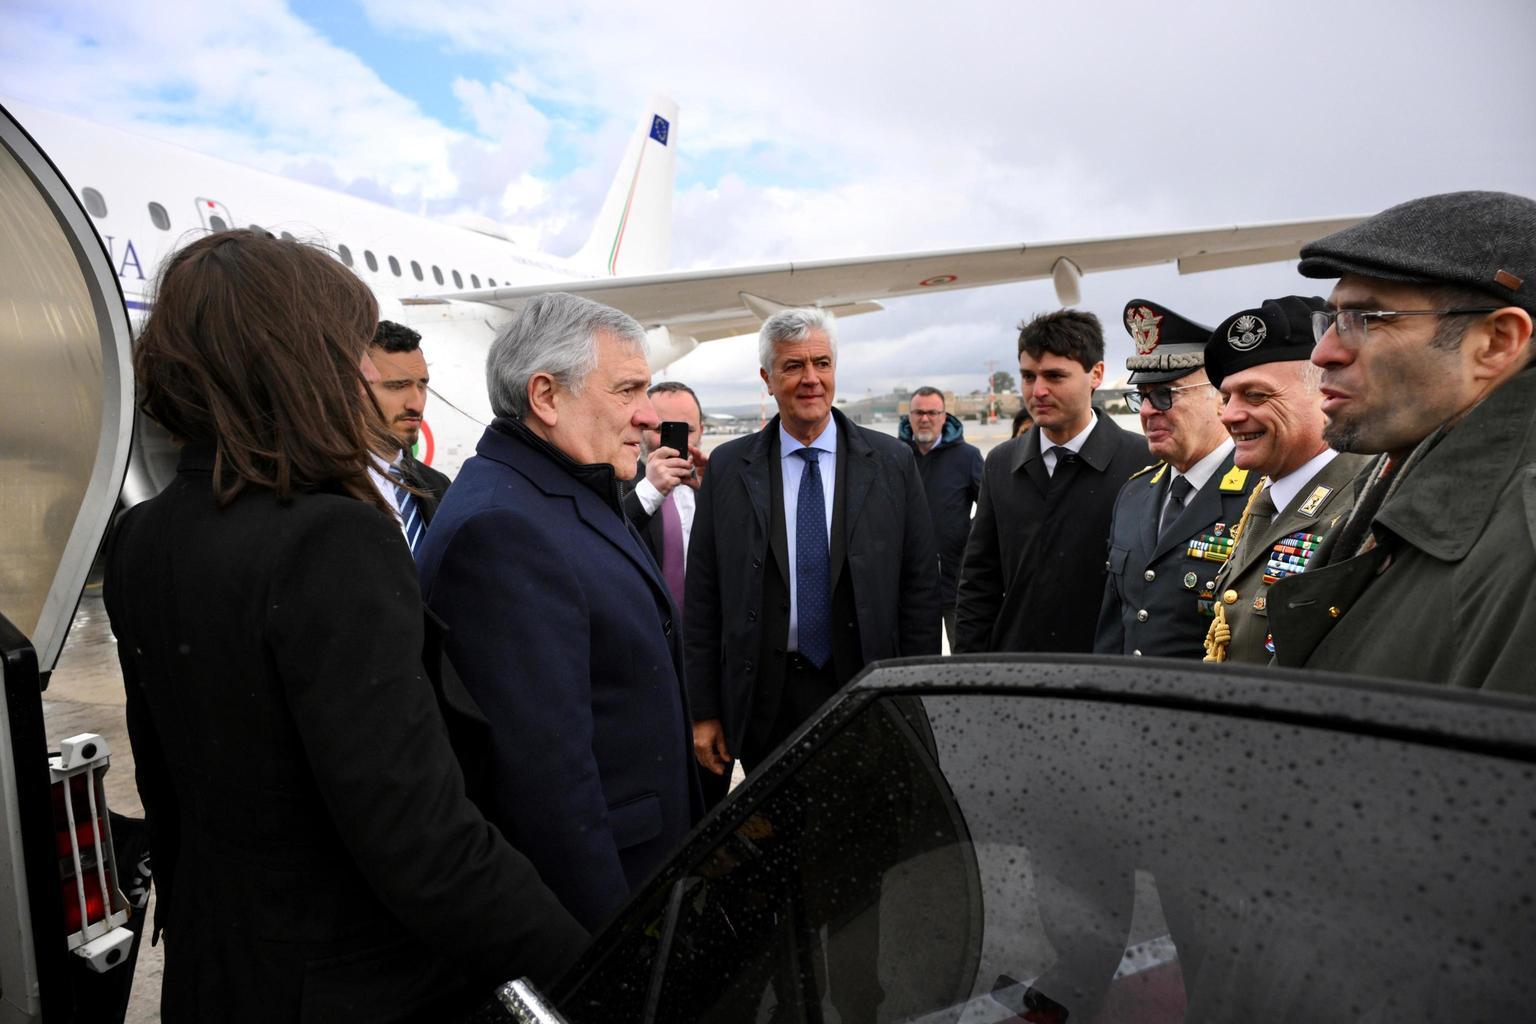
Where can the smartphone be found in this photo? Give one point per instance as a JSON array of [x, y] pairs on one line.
[[674, 435]]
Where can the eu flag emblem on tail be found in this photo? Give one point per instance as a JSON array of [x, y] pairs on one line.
[[659, 128]]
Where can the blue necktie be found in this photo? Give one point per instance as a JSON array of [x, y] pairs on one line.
[[410, 510], [813, 598]]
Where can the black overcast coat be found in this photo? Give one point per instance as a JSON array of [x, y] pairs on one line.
[[737, 619], [1033, 576], [315, 854]]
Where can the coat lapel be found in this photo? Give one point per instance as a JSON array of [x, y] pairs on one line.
[[1028, 460], [1158, 484], [856, 471], [761, 459], [609, 523]]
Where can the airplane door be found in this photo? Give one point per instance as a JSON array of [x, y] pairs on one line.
[[214, 214], [67, 396]]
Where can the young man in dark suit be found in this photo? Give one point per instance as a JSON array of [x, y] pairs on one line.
[[559, 622], [1033, 575]]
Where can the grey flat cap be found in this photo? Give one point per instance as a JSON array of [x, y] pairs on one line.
[[1484, 240]]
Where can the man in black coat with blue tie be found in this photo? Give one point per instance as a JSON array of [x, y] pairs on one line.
[[812, 555]]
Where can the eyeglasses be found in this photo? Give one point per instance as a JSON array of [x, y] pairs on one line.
[[1161, 398], [1350, 324], [926, 412]]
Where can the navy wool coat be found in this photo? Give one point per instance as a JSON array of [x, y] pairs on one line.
[[562, 630]]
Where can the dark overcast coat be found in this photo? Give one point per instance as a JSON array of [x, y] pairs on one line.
[[562, 630], [1033, 576], [951, 475], [1449, 595]]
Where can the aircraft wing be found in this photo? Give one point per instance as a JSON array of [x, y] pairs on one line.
[[708, 304]]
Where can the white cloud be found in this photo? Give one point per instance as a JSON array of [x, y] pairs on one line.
[[813, 130]]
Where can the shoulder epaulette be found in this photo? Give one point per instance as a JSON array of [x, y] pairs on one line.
[[1145, 470]]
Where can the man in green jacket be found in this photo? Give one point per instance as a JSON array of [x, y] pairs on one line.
[[1426, 353]]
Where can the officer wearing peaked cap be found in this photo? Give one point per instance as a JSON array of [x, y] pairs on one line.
[[1258, 360], [1170, 529], [1425, 352]]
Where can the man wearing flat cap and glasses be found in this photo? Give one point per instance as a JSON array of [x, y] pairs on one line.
[[1425, 351], [1271, 407], [1170, 529]]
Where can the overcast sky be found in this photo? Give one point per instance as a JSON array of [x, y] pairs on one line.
[[813, 130]]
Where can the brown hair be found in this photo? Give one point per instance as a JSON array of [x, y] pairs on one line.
[[254, 344], [1069, 333]]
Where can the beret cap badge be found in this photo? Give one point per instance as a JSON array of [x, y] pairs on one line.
[[1142, 324], [1247, 332]]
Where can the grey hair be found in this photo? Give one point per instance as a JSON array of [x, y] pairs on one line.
[[794, 325], [555, 333]]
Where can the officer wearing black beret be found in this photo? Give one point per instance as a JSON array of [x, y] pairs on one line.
[[1170, 527], [1258, 360], [1425, 352]]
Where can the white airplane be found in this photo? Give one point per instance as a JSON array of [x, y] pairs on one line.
[[457, 281]]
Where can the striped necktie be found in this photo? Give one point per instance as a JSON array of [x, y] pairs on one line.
[[410, 510]]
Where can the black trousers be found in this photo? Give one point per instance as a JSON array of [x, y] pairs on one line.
[[776, 716]]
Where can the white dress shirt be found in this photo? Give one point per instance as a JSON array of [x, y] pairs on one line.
[[792, 468], [1073, 444], [378, 472], [1199, 474]]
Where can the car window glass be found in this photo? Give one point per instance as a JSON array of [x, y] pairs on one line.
[[980, 857]]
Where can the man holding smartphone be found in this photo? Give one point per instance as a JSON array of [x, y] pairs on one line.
[[661, 503]]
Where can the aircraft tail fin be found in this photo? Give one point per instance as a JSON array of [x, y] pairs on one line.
[[633, 233]]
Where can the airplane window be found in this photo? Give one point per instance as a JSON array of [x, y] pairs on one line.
[[258, 227], [416, 270], [93, 202], [287, 237], [458, 282], [159, 217], [474, 279], [437, 275], [491, 281], [345, 254], [216, 223], [394, 266], [370, 259]]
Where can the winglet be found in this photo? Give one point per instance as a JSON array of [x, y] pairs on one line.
[[633, 233]]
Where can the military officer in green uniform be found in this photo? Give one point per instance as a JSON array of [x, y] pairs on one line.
[[1271, 407], [1171, 525], [1426, 358]]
